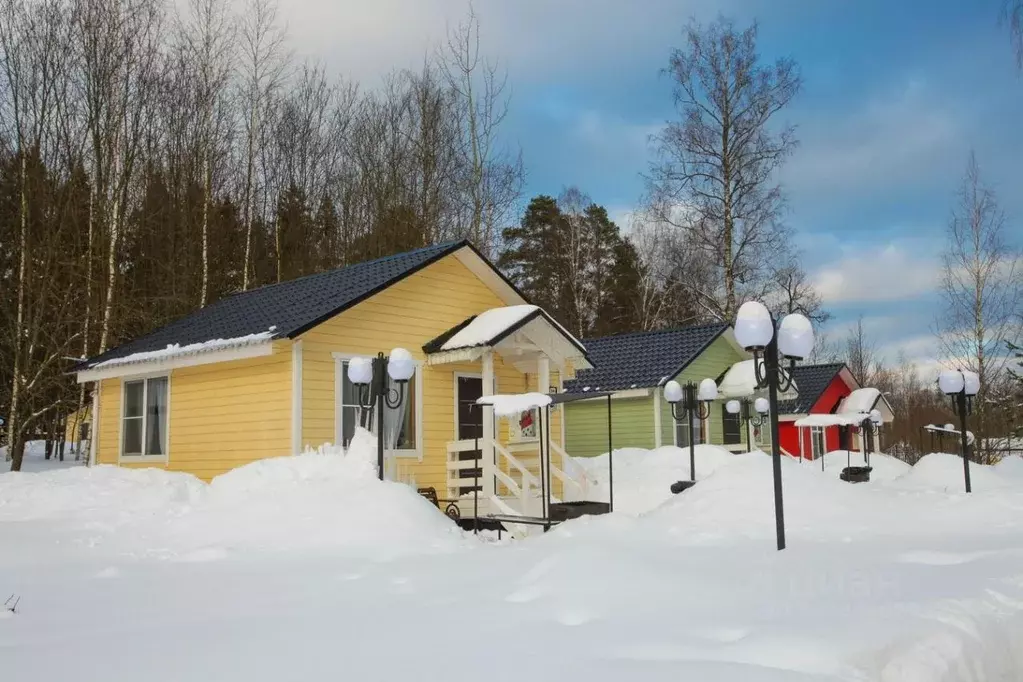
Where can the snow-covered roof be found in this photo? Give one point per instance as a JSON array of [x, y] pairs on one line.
[[740, 381], [488, 325], [510, 405], [513, 325], [862, 400], [175, 350]]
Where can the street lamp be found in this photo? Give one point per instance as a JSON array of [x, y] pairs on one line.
[[961, 386], [759, 333], [694, 402], [369, 377], [751, 413]]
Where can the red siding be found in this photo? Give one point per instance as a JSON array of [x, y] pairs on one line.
[[789, 434]]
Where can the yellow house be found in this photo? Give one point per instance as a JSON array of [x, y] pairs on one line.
[[263, 373], [77, 426]]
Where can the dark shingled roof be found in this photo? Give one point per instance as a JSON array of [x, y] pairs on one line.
[[291, 307], [812, 381], [642, 359]]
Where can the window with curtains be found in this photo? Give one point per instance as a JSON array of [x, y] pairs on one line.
[[682, 432], [144, 418], [400, 424]]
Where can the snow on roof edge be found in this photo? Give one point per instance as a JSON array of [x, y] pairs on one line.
[[176, 350]]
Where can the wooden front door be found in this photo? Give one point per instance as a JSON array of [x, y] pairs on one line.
[[468, 424]]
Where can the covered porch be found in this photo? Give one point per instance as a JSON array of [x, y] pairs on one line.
[[510, 350]]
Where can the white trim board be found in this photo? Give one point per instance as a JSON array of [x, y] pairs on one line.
[[165, 365], [296, 397]]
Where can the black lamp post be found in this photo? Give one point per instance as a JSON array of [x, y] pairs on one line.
[[692, 401], [369, 377], [961, 386], [771, 343], [749, 414]]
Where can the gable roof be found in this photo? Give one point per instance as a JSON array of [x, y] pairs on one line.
[[812, 381], [287, 309], [642, 359]]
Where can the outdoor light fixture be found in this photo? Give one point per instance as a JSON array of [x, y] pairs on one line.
[[749, 414], [369, 377], [961, 386], [693, 401], [759, 333]]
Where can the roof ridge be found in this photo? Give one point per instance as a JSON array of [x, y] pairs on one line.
[[440, 246], [652, 332]]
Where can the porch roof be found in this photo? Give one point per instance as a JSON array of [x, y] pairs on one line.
[[518, 330]]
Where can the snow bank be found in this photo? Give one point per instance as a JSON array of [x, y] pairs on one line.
[[312, 502], [107, 493], [942, 471], [885, 467], [643, 478]]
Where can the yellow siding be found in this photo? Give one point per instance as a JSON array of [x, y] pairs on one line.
[[221, 416], [408, 314]]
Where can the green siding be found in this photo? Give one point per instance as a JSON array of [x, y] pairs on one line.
[[586, 425], [586, 421]]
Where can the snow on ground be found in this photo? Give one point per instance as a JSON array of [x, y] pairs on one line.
[[884, 468], [643, 478], [307, 568], [35, 458]]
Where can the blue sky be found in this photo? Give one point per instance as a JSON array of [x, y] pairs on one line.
[[895, 96]]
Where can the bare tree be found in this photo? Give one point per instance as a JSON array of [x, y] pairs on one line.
[[793, 292], [980, 287], [493, 176], [716, 169], [1012, 14], [263, 65], [861, 354], [206, 38]]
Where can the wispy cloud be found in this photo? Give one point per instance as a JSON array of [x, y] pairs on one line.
[[895, 271], [894, 138]]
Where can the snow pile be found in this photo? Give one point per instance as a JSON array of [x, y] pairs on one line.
[[514, 405], [114, 494], [643, 478], [1010, 466], [884, 467], [176, 350], [943, 471], [312, 502]]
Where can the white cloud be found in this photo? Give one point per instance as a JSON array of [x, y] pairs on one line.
[[893, 139], [533, 38], [895, 271]]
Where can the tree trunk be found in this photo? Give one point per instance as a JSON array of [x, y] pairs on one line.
[[108, 305], [205, 233], [17, 452], [13, 425]]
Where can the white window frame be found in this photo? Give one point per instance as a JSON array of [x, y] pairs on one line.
[[165, 457], [342, 357]]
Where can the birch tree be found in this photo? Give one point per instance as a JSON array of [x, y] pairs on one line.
[[206, 40], [493, 175], [262, 69], [980, 287], [715, 174]]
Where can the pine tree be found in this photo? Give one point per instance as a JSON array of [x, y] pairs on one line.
[[533, 254]]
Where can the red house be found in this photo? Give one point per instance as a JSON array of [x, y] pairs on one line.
[[822, 389]]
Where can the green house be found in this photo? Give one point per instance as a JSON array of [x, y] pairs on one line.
[[635, 367]]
